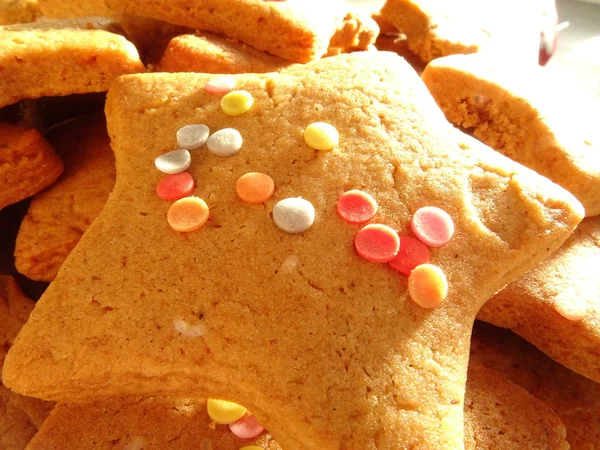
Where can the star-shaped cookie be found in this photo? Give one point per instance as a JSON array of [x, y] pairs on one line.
[[327, 349]]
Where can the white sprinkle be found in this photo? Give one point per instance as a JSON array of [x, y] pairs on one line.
[[185, 329], [290, 264], [173, 162], [193, 136], [136, 443], [294, 215], [220, 84], [225, 142]]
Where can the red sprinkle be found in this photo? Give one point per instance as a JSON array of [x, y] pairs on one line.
[[433, 226], [174, 187], [377, 243], [356, 206], [412, 253], [247, 427]]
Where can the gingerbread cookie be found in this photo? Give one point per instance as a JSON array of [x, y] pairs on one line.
[[258, 285], [208, 53], [291, 30], [574, 398], [555, 306], [18, 11], [58, 217], [66, 9], [28, 163], [56, 62], [511, 112], [498, 414], [436, 28], [20, 417]]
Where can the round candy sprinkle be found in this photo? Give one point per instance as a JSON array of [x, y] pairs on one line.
[[193, 136], [223, 412], [220, 84], [176, 186], [356, 206], [225, 142], [188, 214], [255, 187], [412, 253], [433, 226], [377, 243], [237, 102], [294, 215], [321, 136], [173, 162], [247, 427], [571, 306], [427, 285]]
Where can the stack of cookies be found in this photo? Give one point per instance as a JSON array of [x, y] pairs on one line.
[[232, 213]]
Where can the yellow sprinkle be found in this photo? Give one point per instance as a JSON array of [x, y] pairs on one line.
[[224, 412], [237, 102], [427, 285], [321, 136]]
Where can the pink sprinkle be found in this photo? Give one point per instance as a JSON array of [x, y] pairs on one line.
[[412, 253], [247, 427], [433, 226], [220, 84]]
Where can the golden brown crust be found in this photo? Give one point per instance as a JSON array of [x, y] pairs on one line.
[[319, 359], [20, 417], [436, 28], [207, 53], [569, 276], [58, 217], [18, 11], [500, 415], [28, 163], [511, 112], [289, 30], [45, 63], [65, 9], [575, 399]]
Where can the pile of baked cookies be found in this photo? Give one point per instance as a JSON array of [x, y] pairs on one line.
[[292, 210]]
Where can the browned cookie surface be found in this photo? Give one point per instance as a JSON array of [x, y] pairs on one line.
[[28, 163], [513, 112], [58, 217], [327, 349]]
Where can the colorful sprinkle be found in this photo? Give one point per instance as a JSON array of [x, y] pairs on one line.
[[224, 412], [412, 253], [321, 136], [377, 243], [427, 285], [173, 162], [247, 427], [220, 84], [193, 136], [571, 306], [255, 187], [433, 226], [225, 142], [294, 215], [356, 206], [188, 214], [237, 102], [176, 186]]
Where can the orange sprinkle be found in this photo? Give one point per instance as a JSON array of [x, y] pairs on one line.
[[427, 285], [188, 214], [255, 187]]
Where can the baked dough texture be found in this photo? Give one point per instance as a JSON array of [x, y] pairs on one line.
[[511, 111], [58, 216], [575, 399], [326, 349]]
